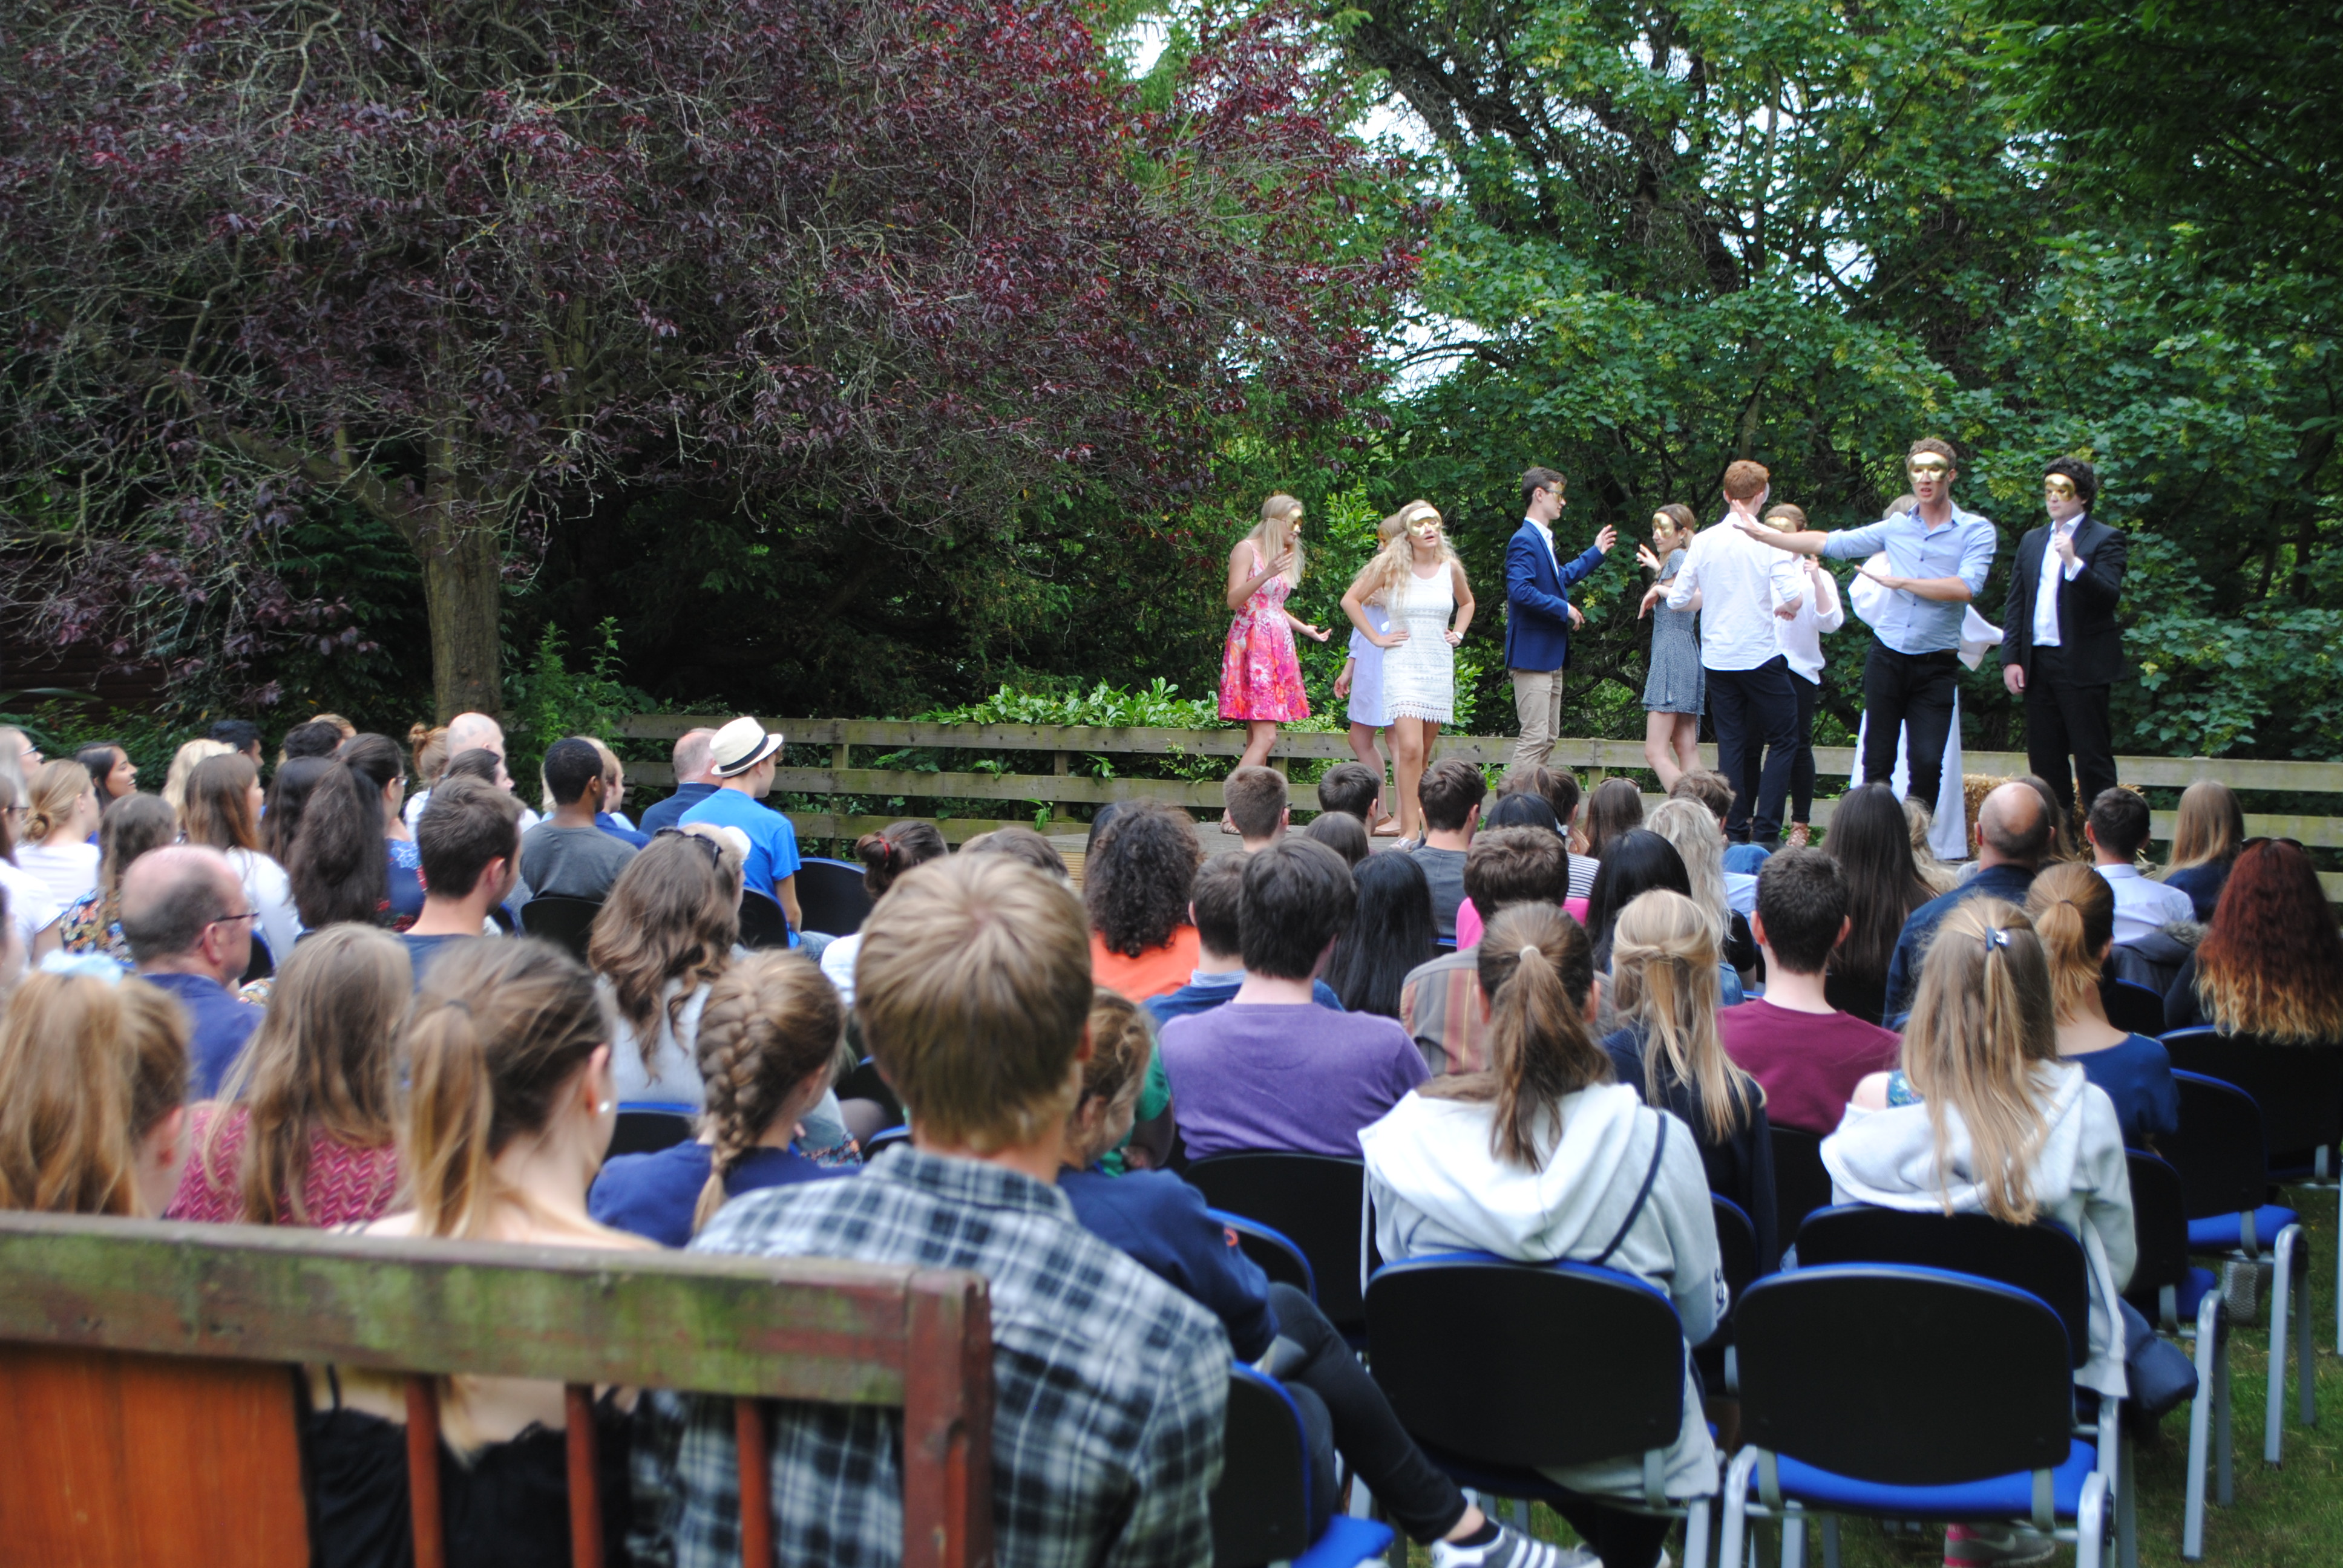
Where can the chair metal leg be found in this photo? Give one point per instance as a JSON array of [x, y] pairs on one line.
[[1734, 1530], [2281, 1292], [2091, 1524], [2127, 1510], [2224, 1489], [2306, 1358], [1522, 1514], [2201, 1421], [2338, 1270], [1696, 1534], [1830, 1540], [1794, 1542]]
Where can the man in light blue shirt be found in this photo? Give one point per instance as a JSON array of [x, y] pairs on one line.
[[1938, 559], [743, 756]]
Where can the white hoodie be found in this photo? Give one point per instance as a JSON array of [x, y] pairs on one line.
[[2079, 1177], [1436, 1187]]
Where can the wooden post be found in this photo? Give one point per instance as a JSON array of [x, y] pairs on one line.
[[428, 1521], [755, 1442], [948, 1425], [585, 1484]]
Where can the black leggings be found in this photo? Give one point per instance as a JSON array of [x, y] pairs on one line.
[[1802, 764], [1310, 1356]]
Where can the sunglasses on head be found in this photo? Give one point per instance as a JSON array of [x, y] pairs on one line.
[[715, 852], [2251, 843]]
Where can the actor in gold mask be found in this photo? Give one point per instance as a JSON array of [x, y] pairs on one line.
[[2061, 648]]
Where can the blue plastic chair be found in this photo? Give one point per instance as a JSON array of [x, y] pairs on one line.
[[1261, 1509], [1273, 1249], [1485, 1361], [885, 1138], [2173, 1294], [1899, 1392], [646, 1127], [831, 896], [1313, 1200]]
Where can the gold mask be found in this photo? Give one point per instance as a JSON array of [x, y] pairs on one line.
[[1928, 467], [2058, 487]]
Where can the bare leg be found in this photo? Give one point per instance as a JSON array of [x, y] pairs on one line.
[[1688, 743], [1659, 748], [1411, 742], [1362, 747], [1260, 734]]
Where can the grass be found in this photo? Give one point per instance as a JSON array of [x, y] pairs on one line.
[[2281, 1518]]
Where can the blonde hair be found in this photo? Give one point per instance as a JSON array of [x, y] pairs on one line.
[[1386, 575], [772, 1021], [321, 1063], [1918, 822], [499, 1029], [56, 790], [972, 985], [1982, 1020], [1123, 1042], [1535, 969], [182, 763], [215, 806], [1274, 533], [2074, 913], [429, 745], [1692, 827], [2211, 826], [673, 914], [1786, 519], [1664, 963], [87, 1068]]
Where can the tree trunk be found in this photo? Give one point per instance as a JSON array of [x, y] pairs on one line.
[[463, 588]]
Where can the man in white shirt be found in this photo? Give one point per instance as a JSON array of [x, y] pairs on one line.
[[2116, 828], [2061, 649], [1740, 588]]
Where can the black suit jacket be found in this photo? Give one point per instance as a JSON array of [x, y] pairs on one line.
[[2088, 636]]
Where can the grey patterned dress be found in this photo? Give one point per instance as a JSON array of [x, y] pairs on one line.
[[1676, 683]]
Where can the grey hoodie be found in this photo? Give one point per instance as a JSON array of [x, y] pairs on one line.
[[1436, 1187], [2079, 1179]]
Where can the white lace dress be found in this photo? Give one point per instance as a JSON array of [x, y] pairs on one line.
[[1420, 674]]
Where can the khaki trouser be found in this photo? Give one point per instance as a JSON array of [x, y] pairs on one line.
[[1537, 702]]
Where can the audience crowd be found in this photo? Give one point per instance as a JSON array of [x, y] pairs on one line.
[[380, 991]]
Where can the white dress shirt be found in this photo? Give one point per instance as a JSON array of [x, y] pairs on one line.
[[2046, 581], [1741, 583], [1801, 637], [1546, 534], [2143, 908]]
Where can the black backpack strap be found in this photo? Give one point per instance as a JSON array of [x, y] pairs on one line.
[[1642, 1195]]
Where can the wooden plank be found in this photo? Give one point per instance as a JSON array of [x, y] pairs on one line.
[[995, 787], [955, 830], [948, 1430], [787, 1328]]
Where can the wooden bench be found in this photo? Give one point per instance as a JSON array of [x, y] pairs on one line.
[[152, 1418]]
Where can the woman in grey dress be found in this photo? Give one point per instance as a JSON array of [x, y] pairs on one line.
[[1673, 688]]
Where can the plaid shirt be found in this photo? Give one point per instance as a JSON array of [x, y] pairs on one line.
[[1110, 1389], [1439, 1006]]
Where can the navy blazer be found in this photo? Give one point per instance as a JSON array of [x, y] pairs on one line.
[[1537, 600], [2088, 636]]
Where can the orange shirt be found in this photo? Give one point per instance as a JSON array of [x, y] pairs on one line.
[[1157, 971]]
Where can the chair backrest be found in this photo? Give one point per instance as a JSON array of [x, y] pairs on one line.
[[864, 1082], [152, 1419], [831, 897], [2132, 1008], [569, 921], [2041, 1259], [1274, 1253], [1313, 1200], [762, 924], [1490, 1360], [1261, 1509], [886, 1138], [644, 1130], [2299, 1087], [1801, 1184], [2159, 1228], [1902, 1376], [1736, 1244], [2219, 1151]]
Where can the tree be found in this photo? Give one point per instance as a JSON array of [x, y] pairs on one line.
[[467, 266]]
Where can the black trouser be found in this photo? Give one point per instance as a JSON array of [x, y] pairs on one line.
[[1310, 1358], [2062, 721], [1911, 694], [1809, 693], [1754, 712]]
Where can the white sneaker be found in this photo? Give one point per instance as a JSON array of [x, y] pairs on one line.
[[1512, 1549]]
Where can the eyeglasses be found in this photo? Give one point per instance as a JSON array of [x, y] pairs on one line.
[[225, 919], [715, 852]]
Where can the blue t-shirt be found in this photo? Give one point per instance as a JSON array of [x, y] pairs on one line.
[[1160, 1222], [619, 831], [654, 1195], [223, 1022], [420, 950], [406, 877], [2137, 1073], [772, 842], [667, 813], [1203, 995]]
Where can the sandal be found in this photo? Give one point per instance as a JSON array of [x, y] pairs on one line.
[[1799, 834], [1386, 829]]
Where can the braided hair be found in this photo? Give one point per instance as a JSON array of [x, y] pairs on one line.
[[770, 1033]]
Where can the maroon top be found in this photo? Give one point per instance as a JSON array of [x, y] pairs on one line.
[[342, 1185], [1807, 1062]]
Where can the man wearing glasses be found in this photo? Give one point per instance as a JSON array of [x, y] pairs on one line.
[[189, 926], [1938, 557], [2061, 648]]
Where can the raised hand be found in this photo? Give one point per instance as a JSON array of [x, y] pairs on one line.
[[1316, 633], [1647, 559], [1606, 539]]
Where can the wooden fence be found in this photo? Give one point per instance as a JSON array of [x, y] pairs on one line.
[[1592, 759]]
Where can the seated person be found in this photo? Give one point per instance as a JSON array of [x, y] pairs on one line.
[[1354, 789], [1544, 1157], [1267, 1069], [1137, 877], [189, 922], [1255, 808], [768, 1043], [470, 841], [2117, 830], [1212, 906], [1451, 792], [1110, 1387], [743, 759], [1163, 1223], [2074, 914], [1663, 971], [567, 856], [1805, 1054], [1439, 1002]]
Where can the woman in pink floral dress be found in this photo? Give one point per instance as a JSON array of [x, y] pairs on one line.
[[1261, 677]]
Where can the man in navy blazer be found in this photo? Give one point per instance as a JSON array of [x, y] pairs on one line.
[[2061, 648], [1538, 613]]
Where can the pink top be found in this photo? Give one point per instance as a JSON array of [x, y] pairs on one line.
[[1468, 920], [343, 1186]]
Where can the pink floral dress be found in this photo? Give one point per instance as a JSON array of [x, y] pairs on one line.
[[1261, 677]]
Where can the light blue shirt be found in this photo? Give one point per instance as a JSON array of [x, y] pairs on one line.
[[1961, 548], [772, 842]]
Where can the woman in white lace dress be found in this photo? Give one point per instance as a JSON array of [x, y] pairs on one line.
[[1419, 584]]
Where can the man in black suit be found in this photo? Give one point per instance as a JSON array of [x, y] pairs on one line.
[[2061, 648]]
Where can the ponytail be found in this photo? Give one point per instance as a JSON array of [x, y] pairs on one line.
[[1663, 964], [772, 1022], [1536, 967], [2074, 913], [894, 849], [340, 864], [1982, 1019], [452, 1110]]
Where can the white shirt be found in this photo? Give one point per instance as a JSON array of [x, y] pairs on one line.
[[1741, 582], [2143, 908], [31, 905], [412, 812], [69, 870], [837, 964], [271, 892], [2046, 581], [1801, 638], [1546, 534]]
